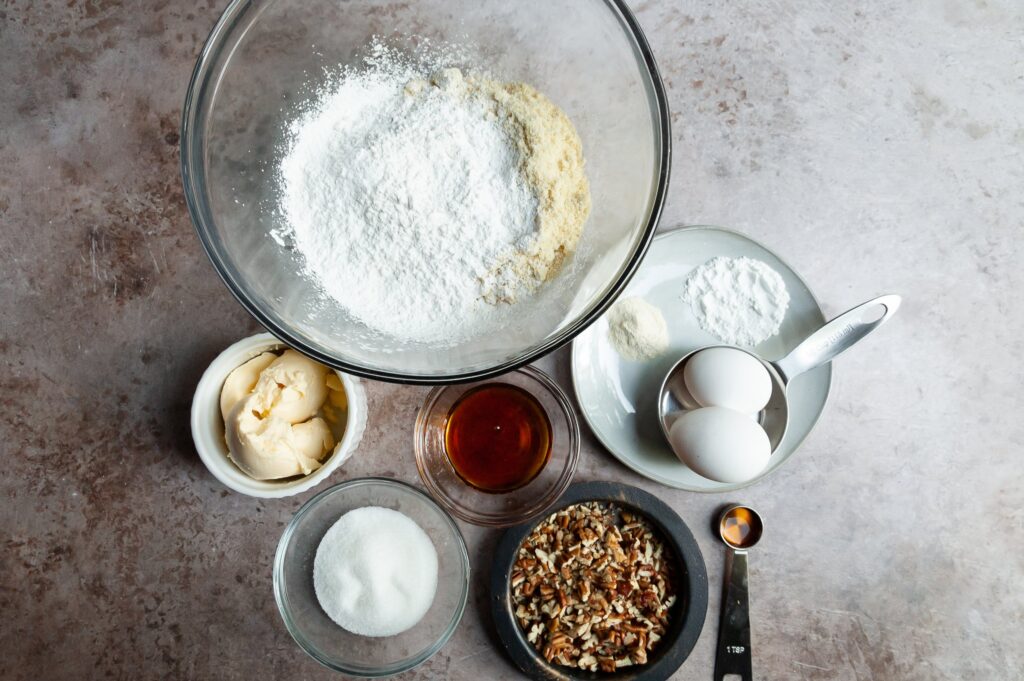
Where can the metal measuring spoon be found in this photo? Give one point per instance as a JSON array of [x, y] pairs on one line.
[[740, 527], [821, 347]]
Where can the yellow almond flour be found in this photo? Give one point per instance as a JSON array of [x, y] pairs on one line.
[[552, 164]]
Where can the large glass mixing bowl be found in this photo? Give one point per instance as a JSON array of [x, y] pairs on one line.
[[266, 58]]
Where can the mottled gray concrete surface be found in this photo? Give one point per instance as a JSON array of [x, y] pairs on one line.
[[877, 149]]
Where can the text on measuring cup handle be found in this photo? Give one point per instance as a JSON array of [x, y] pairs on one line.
[[835, 337]]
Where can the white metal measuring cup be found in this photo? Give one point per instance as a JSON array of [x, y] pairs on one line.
[[821, 347]]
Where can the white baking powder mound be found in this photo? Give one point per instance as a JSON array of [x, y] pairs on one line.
[[741, 301]]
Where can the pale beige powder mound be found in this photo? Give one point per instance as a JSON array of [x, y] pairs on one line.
[[553, 166], [637, 329]]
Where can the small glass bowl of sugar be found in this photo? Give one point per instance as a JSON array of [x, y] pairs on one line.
[[303, 613]]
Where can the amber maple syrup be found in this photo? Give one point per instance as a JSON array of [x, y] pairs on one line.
[[497, 437]]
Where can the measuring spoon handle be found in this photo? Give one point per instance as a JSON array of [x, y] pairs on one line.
[[733, 655], [837, 336]]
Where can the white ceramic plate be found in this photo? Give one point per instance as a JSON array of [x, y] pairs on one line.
[[618, 397]]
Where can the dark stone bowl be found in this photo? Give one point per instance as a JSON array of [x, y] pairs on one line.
[[689, 611]]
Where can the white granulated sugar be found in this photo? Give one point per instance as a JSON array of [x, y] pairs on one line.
[[741, 301], [637, 329], [375, 572], [401, 194]]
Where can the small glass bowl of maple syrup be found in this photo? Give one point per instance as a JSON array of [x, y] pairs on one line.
[[498, 452]]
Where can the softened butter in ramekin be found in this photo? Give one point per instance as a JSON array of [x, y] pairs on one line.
[[272, 424]]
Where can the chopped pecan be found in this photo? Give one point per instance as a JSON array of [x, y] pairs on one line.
[[593, 591]]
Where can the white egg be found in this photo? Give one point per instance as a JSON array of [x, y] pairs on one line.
[[720, 444], [726, 377]]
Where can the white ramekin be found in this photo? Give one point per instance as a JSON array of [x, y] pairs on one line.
[[208, 426]]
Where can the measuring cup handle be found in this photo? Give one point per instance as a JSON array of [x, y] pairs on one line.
[[733, 655], [836, 337]]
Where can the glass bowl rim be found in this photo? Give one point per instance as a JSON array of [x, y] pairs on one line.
[[536, 509], [193, 173], [312, 650]]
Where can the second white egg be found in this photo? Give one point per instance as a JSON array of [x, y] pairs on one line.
[[720, 444]]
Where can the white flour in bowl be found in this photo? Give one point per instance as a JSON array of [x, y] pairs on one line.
[[413, 197]]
